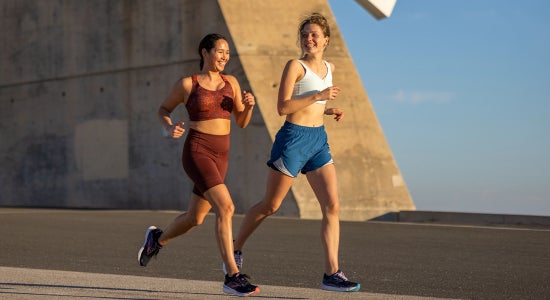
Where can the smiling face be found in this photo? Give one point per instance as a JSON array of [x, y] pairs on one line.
[[217, 57], [313, 34], [312, 39]]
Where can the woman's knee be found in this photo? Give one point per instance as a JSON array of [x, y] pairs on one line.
[[268, 208], [331, 208], [193, 219], [226, 210], [196, 220]]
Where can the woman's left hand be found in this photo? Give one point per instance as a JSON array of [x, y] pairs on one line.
[[338, 113], [248, 99]]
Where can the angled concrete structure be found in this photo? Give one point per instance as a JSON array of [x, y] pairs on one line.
[[379, 9], [80, 84]]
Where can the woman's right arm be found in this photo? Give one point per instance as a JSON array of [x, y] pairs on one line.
[[178, 94]]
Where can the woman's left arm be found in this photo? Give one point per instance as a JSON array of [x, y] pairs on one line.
[[243, 103], [338, 113]]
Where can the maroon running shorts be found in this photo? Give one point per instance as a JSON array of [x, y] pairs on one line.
[[205, 159]]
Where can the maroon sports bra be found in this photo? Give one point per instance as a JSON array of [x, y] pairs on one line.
[[205, 104]]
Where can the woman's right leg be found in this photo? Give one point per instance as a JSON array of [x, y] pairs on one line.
[[155, 238], [194, 216], [277, 187]]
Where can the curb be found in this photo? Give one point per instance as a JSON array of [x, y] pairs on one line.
[[457, 218]]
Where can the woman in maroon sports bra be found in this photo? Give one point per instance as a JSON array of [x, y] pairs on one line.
[[209, 98]]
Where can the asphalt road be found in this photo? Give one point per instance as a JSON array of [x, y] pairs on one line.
[[392, 260]]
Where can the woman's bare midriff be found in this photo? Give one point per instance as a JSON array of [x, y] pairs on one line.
[[214, 126], [311, 116]]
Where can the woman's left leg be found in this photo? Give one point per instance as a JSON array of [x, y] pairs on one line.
[[222, 204], [324, 183]]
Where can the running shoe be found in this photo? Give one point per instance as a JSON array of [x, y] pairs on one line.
[[150, 247], [238, 285], [339, 283], [238, 260]]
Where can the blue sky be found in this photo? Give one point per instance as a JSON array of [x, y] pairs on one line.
[[461, 89]]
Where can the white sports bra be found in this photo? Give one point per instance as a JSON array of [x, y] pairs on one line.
[[311, 83]]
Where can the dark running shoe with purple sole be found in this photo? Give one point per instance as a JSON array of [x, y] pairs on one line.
[[238, 285], [150, 247]]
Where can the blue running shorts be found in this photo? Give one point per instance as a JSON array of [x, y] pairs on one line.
[[299, 149]]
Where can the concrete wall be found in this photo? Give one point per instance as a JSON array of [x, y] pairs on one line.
[[80, 83]]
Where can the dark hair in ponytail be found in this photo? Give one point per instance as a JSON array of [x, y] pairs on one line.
[[208, 42]]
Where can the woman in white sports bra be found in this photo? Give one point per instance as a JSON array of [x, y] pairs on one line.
[[301, 146]]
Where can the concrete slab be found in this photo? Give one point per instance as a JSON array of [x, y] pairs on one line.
[[93, 254], [20, 283]]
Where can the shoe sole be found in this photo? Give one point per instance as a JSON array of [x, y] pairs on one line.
[[336, 289], [151, 228], [231, 291]]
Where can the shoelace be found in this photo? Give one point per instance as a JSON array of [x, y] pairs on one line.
[[153, 251], [243, 279], [340, 275], [153, 248]]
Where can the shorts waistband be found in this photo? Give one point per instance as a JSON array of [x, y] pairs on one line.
[[287, 124]]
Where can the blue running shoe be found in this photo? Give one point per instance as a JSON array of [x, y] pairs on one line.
[[339, 283]]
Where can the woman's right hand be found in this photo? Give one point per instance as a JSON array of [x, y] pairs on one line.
[[176, 131], [329, 93]]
